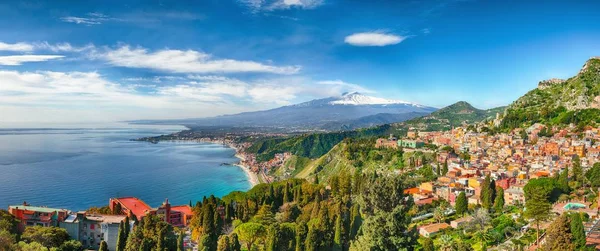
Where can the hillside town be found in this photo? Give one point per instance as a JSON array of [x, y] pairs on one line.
[[510, 159]]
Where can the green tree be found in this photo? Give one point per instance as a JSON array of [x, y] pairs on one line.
[[428, 245], [577, 169], [234, 242], [301, 232], [122, 237], [103, 246], [558, 235], [264, 216], [593, 175], [577, 231], [8, 222], [537, 203], [563, 180], [6, 240], [72, 245], [224, 244], [387, 225], [152, 233], [355, 222], [461, 205], [180, 241], [50, 237], [499, 200], [250, 233], [337, 239], [487, 195], [445, 169]]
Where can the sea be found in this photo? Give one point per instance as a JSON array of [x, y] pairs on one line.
[[76, 168]]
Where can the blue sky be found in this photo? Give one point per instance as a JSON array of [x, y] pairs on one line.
[[73, 61]]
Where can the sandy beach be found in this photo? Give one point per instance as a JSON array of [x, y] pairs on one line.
[[252, 176]]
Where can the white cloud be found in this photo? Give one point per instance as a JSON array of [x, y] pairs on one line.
[[81, 96], [62, 47], [21, 46], [270, 5], [375, 38], [340, 86], [20, 59], [92, 18], [179, 61]]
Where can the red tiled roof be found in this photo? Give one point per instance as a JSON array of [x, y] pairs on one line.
[[184, 209], [135, 205]]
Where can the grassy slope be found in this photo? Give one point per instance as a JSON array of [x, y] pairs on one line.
[[561, 103]]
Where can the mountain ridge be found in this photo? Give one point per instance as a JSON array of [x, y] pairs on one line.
[[329, 114]]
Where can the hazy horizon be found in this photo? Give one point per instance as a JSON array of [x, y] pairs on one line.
[[117, 61]]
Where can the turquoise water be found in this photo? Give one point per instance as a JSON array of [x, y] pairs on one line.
[[573, 206], [79, 168]]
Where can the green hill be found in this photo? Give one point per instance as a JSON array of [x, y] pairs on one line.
[[559, 102], [313, 146], [453, 115]]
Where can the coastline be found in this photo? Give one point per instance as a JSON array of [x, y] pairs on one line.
[[252, 177]]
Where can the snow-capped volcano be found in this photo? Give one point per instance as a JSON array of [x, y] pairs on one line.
[[350, 110], [355, 98]]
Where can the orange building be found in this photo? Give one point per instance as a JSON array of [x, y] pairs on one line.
[[37, 216], [551, 148], [174, 215]]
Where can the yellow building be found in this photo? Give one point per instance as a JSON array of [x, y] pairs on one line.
[[427, 186], [474, 182]]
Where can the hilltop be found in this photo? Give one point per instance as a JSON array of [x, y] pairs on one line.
[[316, 145], [457, 114], [559, 102]]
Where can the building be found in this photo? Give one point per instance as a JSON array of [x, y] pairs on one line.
[[37, 216], [514, 195], [92, 229], [129, 206], [461, 222], [432, 229], [411, 143], [175, 215], [391, 142]]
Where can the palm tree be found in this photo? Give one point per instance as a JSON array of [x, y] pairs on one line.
[[483, 236], [446, 242], [438, 214]]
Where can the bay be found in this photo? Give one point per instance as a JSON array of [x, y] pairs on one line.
[[75, 168]]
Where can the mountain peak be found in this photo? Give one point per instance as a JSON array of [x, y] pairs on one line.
[[356, 98], [592, 63]]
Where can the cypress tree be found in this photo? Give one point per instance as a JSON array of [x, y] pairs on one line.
[[577, 231], [103, 246], [235, 242], [445, 170], [558, 235], [180, 242], [461, 204], [337, 238], [301, 231], [499, 201], [312, 239], [121, 237], [286, 193], [224, 243], [228, 213], [355, 222], [126, 228], [563, 181], [486, 196]]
